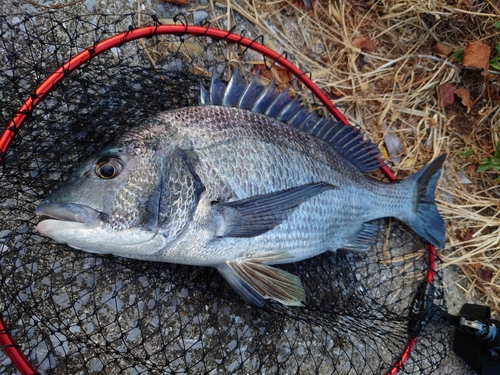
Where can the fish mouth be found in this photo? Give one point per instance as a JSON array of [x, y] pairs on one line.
[[79, 227], [71, 212]]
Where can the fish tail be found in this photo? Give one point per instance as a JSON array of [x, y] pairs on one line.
[[426, 220]]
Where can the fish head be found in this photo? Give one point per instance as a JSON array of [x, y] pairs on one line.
[[109, 204]]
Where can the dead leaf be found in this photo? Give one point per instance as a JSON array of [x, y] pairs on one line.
[[334, 94], [364, 43], [384, 152], [281, 76], [442, 49], [471, 170], [368, 46], [266, 74], [469, 235], [467, 4], [485, 274], [358, 42], [167, 21], [317, 56], [313, 54], [446, 94], [464, 94], [409, 162], [493, 94], [301, 5], [476, 55]]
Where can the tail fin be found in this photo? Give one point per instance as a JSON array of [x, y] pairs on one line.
[[427, 221]]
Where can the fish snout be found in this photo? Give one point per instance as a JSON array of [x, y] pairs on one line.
[[68, 212]]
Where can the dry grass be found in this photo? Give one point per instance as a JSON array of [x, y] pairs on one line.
[[394, 88]]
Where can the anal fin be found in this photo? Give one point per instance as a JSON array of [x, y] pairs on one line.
[[256, 281], [365, 238]]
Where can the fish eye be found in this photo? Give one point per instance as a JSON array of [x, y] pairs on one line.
[[108, 167]]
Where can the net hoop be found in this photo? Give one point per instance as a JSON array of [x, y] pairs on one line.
[[8, 344]]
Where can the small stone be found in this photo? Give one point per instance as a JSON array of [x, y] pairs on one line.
[[90, 5], [199, 17]]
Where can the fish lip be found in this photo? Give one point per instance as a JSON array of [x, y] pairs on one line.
[[70, 212]]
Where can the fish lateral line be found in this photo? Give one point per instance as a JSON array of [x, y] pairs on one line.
[[259, 214]]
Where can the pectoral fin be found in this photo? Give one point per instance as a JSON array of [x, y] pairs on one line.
[[258, 214], [255, 281]]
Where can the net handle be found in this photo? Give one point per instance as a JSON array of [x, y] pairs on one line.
[[412, 340], [148, 31], [13, 351]]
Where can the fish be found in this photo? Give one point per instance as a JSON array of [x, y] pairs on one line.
[[246, 180]]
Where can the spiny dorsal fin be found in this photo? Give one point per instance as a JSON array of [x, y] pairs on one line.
[[254, 96], [235, 88]]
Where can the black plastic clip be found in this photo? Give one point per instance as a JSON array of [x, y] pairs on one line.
[[422, 309], [477, 339]]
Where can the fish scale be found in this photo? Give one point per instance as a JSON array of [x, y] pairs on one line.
[[247, 175], [228, 185]]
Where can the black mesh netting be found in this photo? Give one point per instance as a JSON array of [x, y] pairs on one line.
[[73, 312]]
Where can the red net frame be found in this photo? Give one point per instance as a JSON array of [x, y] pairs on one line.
[[6, 341]]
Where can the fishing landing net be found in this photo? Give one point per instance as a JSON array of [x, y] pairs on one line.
[[67, 311]]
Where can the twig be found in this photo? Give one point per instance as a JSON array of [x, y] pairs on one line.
[[386, 65], [141, 41], [53, 6]]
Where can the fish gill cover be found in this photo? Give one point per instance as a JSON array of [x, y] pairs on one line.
[[79, 313]]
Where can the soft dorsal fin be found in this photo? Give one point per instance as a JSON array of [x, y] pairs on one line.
[[256, 97]]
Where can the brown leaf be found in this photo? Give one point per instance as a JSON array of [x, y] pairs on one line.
[[485, 274], [313, 54], [281, 76], [446, 94], [464, 94], [466, 4], [266, 74], [301, 4], [365, 43], [476, 55], [358, 42], [317, 56], [442, 49], [334, 94], [493, 94], [469, 235], [368, 46], [471, 171]]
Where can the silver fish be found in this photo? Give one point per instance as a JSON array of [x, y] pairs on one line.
[[246, 180]]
